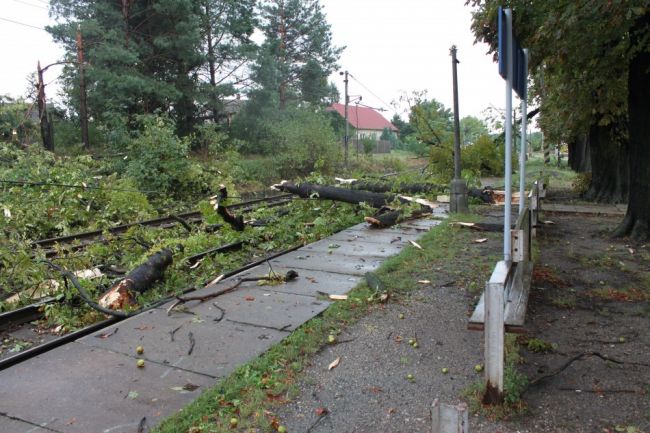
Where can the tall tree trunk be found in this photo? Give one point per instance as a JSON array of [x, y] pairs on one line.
[[609, 166], [46, 127], [636, 223], [282, 31], [579, 156]]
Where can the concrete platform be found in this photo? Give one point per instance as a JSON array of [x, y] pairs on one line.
[[94, 386], [217, 347], [78, 388]]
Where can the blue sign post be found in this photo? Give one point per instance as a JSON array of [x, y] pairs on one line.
[[513, 68]]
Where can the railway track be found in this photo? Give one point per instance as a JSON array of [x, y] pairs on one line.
[[22, 338], [82, 240], [20, 327]]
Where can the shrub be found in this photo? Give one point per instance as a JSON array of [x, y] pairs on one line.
[[158, 160], [299, 139], [485, 155]]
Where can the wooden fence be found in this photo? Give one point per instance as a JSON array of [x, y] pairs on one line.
[[380, 146]]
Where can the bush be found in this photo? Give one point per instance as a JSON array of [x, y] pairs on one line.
[[301, 138], [158, 160], [368, 145], [485, 155]]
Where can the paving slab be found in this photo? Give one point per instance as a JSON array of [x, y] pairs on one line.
[[382, 236], [218, 348], [261, 307], [8, 425], [81, 389], [337, 263], [357, 248], [308, 283]]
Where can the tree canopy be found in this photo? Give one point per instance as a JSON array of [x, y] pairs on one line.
[[583, 60]]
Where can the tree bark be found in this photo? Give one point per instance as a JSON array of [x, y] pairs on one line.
[[411, 188], [306, 190], [636, 223], [609, 165], [579, 156]]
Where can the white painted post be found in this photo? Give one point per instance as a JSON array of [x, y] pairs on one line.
[[495, 332], [446, 418], [522, 154], [507, 209]]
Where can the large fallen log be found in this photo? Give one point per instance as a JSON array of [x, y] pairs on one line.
[[307, 190], [138, 280], [410, 188], [387, 217]]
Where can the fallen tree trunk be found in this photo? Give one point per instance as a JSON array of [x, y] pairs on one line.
[[306, 190], [486, 194], [235, 221], [410, 188], [138, 280], [387, 217]]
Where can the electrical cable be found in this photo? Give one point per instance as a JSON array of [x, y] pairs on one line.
[[64, 185], [371, 92], [22, 24], [30, 4]]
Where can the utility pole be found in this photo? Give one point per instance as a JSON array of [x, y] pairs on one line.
[[83, 112], [458, 187], [46, 126], [346, 139]]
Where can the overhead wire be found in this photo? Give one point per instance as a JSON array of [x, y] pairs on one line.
[[31, 4], [370, 91], [21, 24]]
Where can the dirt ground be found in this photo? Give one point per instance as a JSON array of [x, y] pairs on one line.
[[585, 351]]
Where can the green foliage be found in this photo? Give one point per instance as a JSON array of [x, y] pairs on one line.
[[157, 160], [368, 145], [485, 156], [471, 129], [412, 144], [298, 49], [14, 117], [143, 56], [301, 138], [539, 346], [431, 120]]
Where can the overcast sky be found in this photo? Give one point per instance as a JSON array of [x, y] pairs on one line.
[[392, 46]]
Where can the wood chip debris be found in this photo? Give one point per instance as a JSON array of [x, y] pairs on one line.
[[415, 244], [334, 363], [338, 297], [215, 281], [480, 241]]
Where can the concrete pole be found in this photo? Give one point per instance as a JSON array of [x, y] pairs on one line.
[[522, 153], [346, 140], [507, 209], [458, 187]]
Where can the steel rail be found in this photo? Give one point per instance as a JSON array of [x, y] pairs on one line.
[[170, 219]]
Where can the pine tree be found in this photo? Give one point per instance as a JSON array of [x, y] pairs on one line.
[[299, 38], [147, 56]]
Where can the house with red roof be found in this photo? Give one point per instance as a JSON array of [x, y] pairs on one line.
[[366, 121]]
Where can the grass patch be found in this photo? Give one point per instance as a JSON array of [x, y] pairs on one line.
[[253, 390]]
